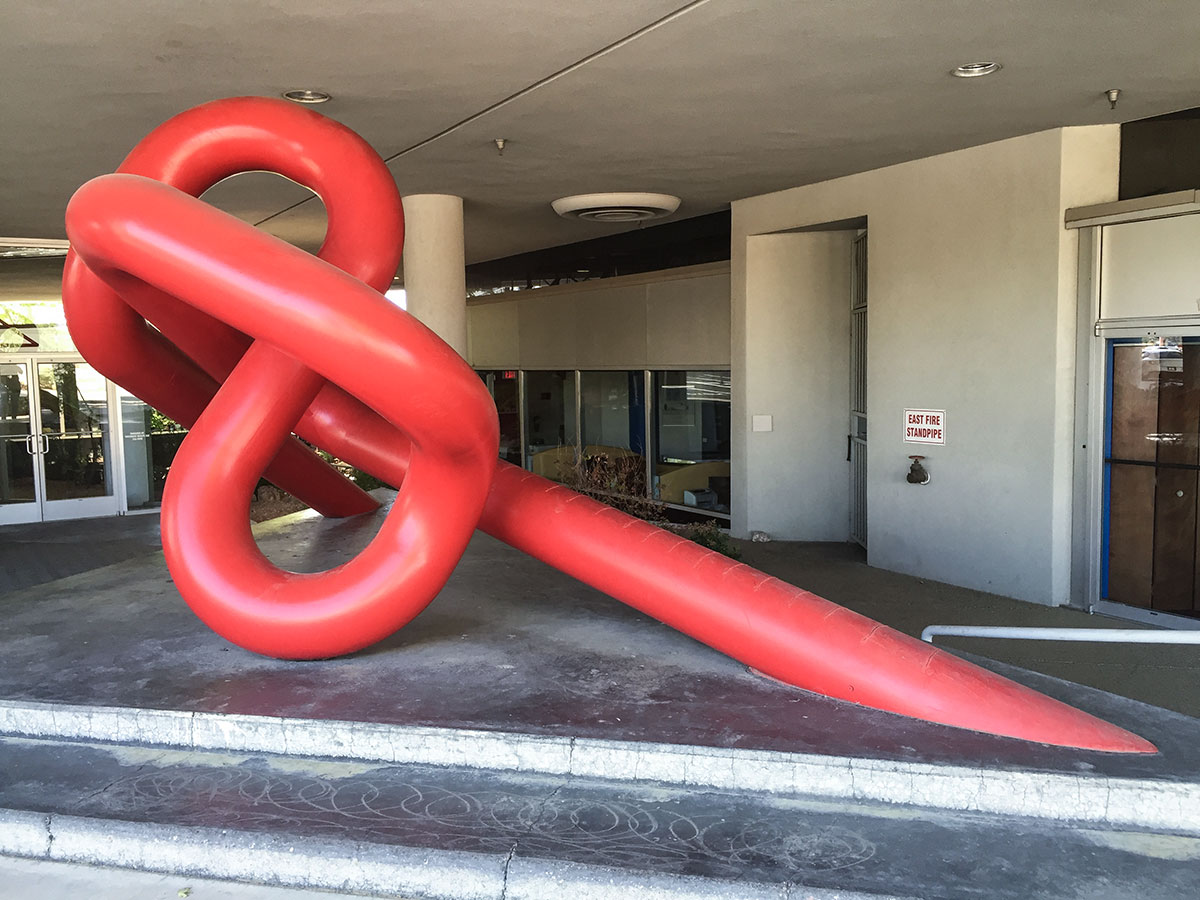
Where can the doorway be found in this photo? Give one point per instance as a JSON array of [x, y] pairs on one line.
[[55, 440], [1151, 552]]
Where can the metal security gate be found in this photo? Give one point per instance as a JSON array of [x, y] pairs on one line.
[[856, 443]]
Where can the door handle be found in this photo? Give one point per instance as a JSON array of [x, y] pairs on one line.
[[849, 446], [45, 442], [29, 444]]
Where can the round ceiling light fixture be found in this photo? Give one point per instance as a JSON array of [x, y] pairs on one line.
[[976, 69], [616, 208], [307, 96]]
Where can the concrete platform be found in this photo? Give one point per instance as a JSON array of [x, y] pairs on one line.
[[510, 645], [520, 678]]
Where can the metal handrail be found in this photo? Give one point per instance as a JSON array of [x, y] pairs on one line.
[[1097, 635]]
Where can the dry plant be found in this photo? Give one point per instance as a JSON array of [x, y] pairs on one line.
[[619, 482]]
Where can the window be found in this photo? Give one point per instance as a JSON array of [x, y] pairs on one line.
[[612, 412], [503, 386], [691, 427], [550, 433], [151, 441]]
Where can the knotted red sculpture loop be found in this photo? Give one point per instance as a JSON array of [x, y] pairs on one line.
[[247, 340]]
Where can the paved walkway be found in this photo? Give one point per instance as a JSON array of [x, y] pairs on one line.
[[1165, 676], [46, 551]]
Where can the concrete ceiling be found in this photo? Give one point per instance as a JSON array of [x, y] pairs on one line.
[[712, 100]]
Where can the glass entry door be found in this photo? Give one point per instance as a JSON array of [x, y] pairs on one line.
[[56, 459], [19, 486], [1152, 475]]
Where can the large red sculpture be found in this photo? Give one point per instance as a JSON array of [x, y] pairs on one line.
[[247, 339]]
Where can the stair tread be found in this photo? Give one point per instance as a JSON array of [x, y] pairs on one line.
[[646, 829]]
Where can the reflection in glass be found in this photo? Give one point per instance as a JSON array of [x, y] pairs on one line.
[[503, 386], [550, 423], [16, 460], [150, 440], [74, 420], [612, 410], [38, 326], [691, 423]]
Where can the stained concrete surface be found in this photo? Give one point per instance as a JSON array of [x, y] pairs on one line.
[[513, 645], [899, 851]]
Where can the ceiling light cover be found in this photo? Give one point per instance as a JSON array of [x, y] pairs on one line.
[[976, 69], [306, 96], [616, 208]]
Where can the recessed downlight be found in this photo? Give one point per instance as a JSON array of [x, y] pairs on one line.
[[975, 69], [616, 208], [307, 96]]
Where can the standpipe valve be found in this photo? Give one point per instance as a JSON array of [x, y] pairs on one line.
[[917, 473]]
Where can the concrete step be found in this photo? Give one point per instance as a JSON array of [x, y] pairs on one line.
[[424, 831], [1167, 801]]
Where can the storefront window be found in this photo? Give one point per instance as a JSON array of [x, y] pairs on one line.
[[550, 423], [150, 441], [690, 466], [503, 386], [612, 408]]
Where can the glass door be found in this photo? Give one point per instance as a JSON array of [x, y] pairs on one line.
[[55, 446], [20, 486], [74, 442], [1151, 539]]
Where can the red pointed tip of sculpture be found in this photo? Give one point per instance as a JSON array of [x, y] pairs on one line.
[[1035, 718], [1126, 742]]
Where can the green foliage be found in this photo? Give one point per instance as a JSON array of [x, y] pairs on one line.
[[161, 424], [364, 480], [709, 534]]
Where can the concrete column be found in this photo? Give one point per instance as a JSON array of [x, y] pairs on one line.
[[435, 279]]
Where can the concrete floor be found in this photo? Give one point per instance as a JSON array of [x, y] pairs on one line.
[[528, 649], [1161, 675], [512, 645], [46, 551]]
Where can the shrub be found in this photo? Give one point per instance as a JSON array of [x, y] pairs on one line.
[[709, 534]]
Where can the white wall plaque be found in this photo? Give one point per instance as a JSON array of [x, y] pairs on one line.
[[762, 423], [925, 426]]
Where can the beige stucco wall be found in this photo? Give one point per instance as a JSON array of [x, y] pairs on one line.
[[972, 293], [679, 317], [808, 276]]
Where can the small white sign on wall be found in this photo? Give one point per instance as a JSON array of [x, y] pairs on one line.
[[925, 426]]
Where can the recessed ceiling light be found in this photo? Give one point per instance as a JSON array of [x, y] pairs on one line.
[[306, 96], [975, 69], [616, 208]]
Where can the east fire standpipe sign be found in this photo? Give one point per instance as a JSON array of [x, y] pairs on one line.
[[925, 426]]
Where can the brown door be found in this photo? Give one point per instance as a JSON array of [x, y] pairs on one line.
[[1152, 467]]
